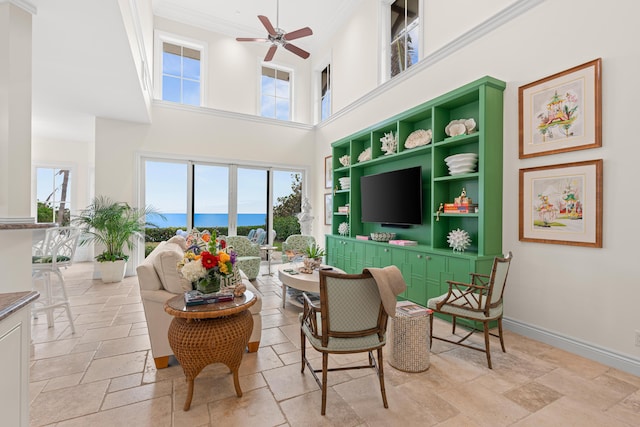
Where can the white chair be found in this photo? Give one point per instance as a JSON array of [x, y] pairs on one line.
[[56, 252]]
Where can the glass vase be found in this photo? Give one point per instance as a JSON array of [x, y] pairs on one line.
[[209, 284]]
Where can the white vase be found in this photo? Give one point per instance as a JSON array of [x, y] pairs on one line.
[[112, 271]]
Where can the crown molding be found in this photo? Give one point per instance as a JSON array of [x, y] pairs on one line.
[[22, 4], [230, 115]]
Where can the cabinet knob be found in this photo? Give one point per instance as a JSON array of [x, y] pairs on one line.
[[419, 256], [386, 250], [428, 258]]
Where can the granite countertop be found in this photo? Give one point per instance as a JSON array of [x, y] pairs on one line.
[[25, 226], [13, 301]]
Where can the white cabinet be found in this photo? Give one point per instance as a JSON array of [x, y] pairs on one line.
[[15, 329]]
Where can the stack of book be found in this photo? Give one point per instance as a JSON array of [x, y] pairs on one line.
[[408, 308], [459, 208], [343, 209], [197, 298]]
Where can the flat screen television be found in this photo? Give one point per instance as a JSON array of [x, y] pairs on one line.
[[392, 198]]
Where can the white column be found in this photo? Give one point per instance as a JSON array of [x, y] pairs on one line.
[[15, 142]]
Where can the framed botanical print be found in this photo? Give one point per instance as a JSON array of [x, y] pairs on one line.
[[562, 112], [328, 173], [562, 204]]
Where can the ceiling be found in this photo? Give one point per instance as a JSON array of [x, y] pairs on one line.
[[82, 64]]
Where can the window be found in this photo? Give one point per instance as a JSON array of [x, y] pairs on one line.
[[231, 199], [180, 69], [405, 35], [325, 93], [53, 195], [275, 93]]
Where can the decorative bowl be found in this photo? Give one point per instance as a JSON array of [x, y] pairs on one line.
[[383, 237], [461, 156]]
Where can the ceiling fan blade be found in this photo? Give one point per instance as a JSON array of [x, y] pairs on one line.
[[302, 32], [272, 51], [267, 24], [250, 39], [295, 49]]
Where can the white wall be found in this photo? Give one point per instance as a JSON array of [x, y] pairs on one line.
[[585, 297], [234, 70], [195, 134]]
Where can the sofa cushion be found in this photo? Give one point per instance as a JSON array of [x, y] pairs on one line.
[[180, 241], [166, 265]]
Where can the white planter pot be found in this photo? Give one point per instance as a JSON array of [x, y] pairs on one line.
[[112, 271]]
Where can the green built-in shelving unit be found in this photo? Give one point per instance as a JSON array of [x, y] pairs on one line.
[[427, 266]]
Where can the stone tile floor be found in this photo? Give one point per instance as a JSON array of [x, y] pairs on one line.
[[103, 375]]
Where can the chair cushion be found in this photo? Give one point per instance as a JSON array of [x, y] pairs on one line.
[[48, 259], [166, 266], [342, 344], [457, 310]]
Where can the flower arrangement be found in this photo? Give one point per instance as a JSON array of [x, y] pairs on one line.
[[206, 262]]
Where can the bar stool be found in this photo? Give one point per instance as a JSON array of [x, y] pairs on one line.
[[56, 252]]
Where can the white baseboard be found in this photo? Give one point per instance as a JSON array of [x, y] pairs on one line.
[[590, 351]]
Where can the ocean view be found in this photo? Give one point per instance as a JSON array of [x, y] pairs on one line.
[[207, 220]]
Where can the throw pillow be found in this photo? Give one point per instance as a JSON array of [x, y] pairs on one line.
[[166, 265]]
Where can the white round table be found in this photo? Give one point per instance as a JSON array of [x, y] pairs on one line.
[[301, 281]]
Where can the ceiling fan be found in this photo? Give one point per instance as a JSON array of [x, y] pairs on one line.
[[278, 37]]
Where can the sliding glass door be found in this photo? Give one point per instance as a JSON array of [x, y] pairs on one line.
[[231, 199]]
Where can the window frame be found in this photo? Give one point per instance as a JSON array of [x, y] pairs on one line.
[[276, 67], [233, 184], [385, 39], [161, 37], [70, 189], [320, 97]]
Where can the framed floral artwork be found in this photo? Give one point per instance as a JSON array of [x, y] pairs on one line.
[[562, 204], [562, 112], [328, 172], [328, 208]]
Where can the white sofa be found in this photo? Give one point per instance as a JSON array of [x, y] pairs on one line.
[[159, 280]]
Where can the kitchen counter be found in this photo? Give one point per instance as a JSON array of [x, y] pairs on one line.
[[13, 301]]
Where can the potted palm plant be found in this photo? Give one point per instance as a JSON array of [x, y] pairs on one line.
[[113, 225]]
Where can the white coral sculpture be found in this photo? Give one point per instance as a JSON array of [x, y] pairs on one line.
[[365, 155], [418, 138], [459, 240], [345, 160], [343, 228], [389, 143]]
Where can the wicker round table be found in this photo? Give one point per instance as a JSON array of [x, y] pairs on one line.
[[209, 333]]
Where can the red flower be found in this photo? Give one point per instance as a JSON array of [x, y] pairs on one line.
[[223, 244], [209, 261]]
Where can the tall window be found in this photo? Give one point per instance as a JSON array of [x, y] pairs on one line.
[[405, 35], [325, 93], [53, 187], [275, 93], [180, 74]]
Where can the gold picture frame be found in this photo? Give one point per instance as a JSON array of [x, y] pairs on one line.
[[562, 112], [562, 204], [328, 208]]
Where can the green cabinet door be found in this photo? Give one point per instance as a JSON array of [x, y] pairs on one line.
[[412, 264]]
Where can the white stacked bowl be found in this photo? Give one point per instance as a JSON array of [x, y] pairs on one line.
[[462, 163]]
